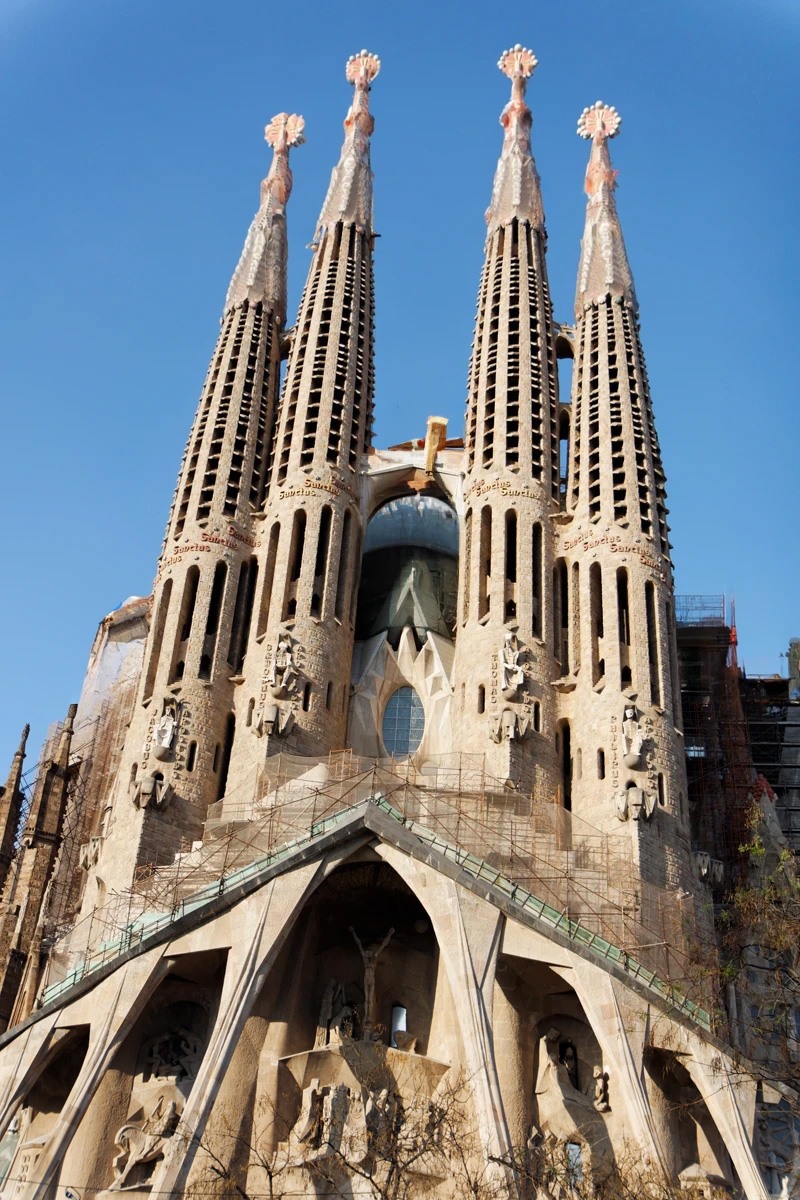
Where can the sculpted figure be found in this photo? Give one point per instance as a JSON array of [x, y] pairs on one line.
[[507, 726], [370, 957], [512, 677], [632, 738], [165, 730], [599, 1086], [307, 1128], [335, 1106], [145, 1143], [283, 673], [331, 1012]]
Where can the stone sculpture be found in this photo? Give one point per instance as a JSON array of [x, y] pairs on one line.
[[283, 676], [508, 726], [273, 720], [332, 1007], [512, 676], [144, 1144], [370, 957], [166, 729], [599, 1086], [632, 738], [151, 791]]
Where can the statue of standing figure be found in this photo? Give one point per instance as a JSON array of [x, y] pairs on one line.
[[370, 957]]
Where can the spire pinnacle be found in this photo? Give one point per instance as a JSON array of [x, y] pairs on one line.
[[516, 192], [604, 269], [349, 197], [261, 271]]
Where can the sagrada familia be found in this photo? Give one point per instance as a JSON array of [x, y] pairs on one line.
[[363, 866]]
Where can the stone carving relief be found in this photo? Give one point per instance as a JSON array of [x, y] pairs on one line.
[[508, 726], [174, 1055], [273, 720], [151, 791], [332, 1121], [142, 1144], [90, 853], [635, 804]]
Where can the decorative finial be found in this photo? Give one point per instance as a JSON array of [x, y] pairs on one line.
[[285, 131], [599, 122], [516, 193], [518, 62], [362, 68]]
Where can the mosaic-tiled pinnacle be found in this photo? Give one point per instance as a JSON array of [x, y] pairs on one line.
[[349, 197], [261, 272], [604, 268], [516, 192]]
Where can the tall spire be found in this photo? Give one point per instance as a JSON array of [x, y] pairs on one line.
[[349, 197], [604, 269], [11, 806], [261, 272], [516, 191]]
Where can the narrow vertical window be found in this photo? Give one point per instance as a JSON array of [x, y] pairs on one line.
[[269, 576], [307, 697], [566, 765], [596, 616], [536, 581], [662, 794], [212, 621], [624, 623], [295, 564], [321, 562], [227, 749], [242, 614], [563, 451], [511, 565], [481, 698], [601, 764], [157, 639], [191, 756], [652, 644], [344, 559], [561, 615], [185, 620], [485, 562]]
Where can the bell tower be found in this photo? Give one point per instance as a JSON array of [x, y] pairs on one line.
[[507, 654], [626, 761]]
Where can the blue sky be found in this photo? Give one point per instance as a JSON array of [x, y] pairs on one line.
[[132, 155]]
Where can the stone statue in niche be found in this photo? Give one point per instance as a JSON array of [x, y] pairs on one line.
[[512, 676], [151, 791], [632, 738], [284, 675], [555, 1089], [273, 720], [331, 1013], [370, 958], [599, 1089], [508, 726], [142, 1145], [166, 729]]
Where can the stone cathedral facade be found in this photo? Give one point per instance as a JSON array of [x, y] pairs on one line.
[[366, 849]]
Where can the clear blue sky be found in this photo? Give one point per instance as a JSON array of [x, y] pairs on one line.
[[132, 155]]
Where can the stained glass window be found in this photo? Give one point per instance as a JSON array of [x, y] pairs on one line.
[[403, 722]]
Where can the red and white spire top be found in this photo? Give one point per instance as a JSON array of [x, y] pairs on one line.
[[261, 271], [349, 197], [516, 192], [604, 269]]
